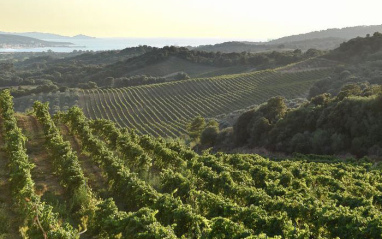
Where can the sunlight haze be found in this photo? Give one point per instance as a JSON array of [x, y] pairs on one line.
[[174, 18]]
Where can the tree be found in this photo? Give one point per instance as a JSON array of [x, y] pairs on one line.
[[241, 133], [92, 85], [212, 123], [181, 76], [312, 52], [6, 66], [275, 109], [209, 135], [348, 90], [259, 130], [322, 99], [297, 52], [109, 82], [195, 127]]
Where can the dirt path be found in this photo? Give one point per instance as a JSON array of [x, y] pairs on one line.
[[47, 184], [93, 173]]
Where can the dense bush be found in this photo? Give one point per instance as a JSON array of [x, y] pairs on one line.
[[137, 80], [113, 68], [359, 61], [348, 123]]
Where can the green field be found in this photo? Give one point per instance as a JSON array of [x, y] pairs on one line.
[[70, 177], [165, 109]]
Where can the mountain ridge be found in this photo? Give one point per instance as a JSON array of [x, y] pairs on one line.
[[328, 39], [45, 35], [346, 33], [8, 40]]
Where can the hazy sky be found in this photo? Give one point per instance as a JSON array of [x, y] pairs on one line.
[[185, 18]]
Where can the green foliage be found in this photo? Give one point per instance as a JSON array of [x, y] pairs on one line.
[[240, 129], [209, 135], [26, 201], [141, 224], [253, 126], [64, 159], [196, 127], [88, 85], [136, 80], [358, 48], [348, 123], [127, 186], [224, 228], [182, 76], [165, 190], [360, 64], [322, 99], [275, 109]]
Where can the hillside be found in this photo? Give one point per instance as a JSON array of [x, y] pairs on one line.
[[324, 44], [91, 69], [346, 33], [360, 59], [359, 50], [341, 117], [14, 41], [165, 109], [322, 40], [103, 182], [173, 65], [170, 60], [349, 123], [235, 46]]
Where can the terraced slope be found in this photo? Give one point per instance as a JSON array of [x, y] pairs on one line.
[[164, 109]]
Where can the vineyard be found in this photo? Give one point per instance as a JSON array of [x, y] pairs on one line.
[[165, 109], [65, 176]]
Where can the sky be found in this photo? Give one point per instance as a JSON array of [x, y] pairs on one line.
[[242, 19]]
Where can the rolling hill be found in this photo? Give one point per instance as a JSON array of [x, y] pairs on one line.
[[173, 65], [169, 60], [325, 44], [77, 70], [165, 109]]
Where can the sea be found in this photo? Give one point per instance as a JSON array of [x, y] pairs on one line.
[[104, 44]]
